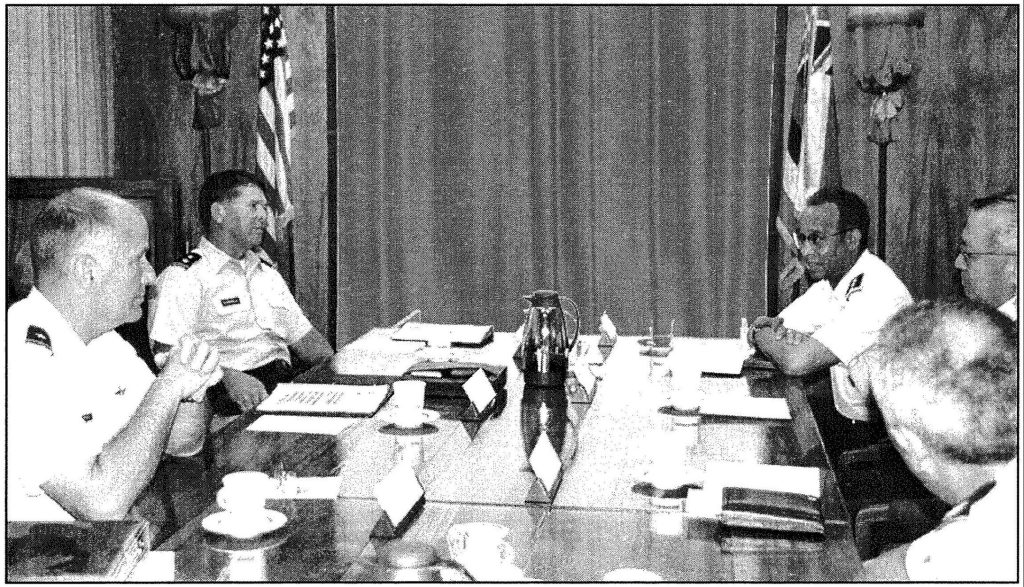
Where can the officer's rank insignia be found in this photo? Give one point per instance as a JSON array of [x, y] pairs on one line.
[[856, 284], [87, 417], [188, 260], [37, 335], [230, 302], [120, 391]]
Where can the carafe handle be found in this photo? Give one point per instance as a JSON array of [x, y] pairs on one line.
[[576, 313]]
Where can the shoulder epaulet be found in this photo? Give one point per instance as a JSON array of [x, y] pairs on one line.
[[38, 336], [264, 258], [856, 284], [188, 260], [267, 262]]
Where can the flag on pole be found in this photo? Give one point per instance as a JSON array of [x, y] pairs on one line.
[[812, 147], [274, 129]]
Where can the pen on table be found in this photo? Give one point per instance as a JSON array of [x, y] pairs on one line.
[[414, 314]]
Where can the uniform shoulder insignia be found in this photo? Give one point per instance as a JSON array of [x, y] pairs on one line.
[[38, 336], [188, 260], [856, 284], [267, 262]]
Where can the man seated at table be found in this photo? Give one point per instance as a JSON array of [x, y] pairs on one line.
[[852, 294], [946, 383], [87, 420], [228, 293], [988, 252]]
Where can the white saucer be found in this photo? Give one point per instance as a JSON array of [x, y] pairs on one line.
[[261, 522], [401, 420]]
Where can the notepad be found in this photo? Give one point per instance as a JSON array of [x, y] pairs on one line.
[[358, 362], [452, 334], [769, 408], [326, 399]]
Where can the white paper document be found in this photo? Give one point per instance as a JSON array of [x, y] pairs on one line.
[[325, 398], [398, 492], [746, 407], [328, 425], [156, 566], [470, 334], [720, 474], [479, 390], [545, 462], [308, 488], [723, 356]]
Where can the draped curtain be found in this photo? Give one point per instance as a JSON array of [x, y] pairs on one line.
[[956, 139], [59, 91], [616, 154]]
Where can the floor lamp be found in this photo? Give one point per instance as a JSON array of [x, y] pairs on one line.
[[885, 81]]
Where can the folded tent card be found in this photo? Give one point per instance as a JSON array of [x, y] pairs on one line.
[[608, 332]]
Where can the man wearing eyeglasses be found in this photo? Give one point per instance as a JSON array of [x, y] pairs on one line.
[[853, 293], [988, 252]]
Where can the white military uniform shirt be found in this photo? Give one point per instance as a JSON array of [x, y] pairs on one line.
[[846, 320], [66, 399], [1010, 308], [976, 540], [242, 307]]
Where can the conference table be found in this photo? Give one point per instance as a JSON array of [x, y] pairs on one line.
[[599, 517]]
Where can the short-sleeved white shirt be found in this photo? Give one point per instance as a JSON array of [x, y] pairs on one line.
[[976, 541], [242, 307], [1010, 308], [846, 320], [66, 399]]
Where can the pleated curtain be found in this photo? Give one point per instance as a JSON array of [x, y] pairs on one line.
[[616, 154], [59, 91]]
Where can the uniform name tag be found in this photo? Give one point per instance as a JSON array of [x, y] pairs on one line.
[[230, 302]]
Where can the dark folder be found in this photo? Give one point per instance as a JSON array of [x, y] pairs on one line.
[[75, 551]]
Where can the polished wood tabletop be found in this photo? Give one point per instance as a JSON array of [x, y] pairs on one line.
[[595, 522]]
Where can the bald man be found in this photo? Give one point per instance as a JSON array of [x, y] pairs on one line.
[[87, 421]]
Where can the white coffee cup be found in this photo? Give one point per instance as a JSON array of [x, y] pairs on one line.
[[480, 544], [409, 395], [244, 492]]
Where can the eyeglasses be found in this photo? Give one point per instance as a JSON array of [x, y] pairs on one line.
[[968, 255], [815, 238]]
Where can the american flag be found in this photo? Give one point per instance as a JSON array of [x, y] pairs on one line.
[[274, 123], [812, 148]]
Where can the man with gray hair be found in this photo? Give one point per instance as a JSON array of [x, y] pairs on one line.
[[87, 421], [945, 379]]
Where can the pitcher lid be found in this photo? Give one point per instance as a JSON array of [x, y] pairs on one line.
[[544, 296]]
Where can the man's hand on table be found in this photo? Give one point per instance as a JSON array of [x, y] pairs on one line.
[[190, 367], [247, 391]]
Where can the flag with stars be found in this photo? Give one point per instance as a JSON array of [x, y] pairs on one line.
[[274, 122]]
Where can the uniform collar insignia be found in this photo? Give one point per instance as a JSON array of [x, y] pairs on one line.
[[120, 391], [37, 335], [87, 417], [856, 284]]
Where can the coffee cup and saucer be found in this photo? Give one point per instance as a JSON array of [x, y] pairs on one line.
[[406, 409], [243, 501]]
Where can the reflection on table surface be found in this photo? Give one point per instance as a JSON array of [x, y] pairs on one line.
[[593, 523]]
